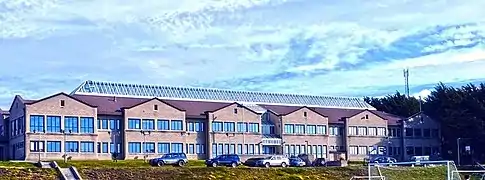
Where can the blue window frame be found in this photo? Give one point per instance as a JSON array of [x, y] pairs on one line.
[[87, 146], [299, 129], [200, 148], [190, 126], [114, 124], [242, 127], [229, 126], [163, 148], [311, 129], [87, 125], [217, 126], [71, 146], [148, 124], [163, 124], [177, 148], [134, 147], [214, 150], [71, 124], [54, 124], [190, 149], [199, 126], [289, 128], [134, 124], [36, 123], [253, 127], [53, 146], [176, 125], [104, 147], [239, 149], [149, 147], [103, 123], [112, 147]]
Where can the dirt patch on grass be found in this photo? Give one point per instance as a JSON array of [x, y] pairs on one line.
[[28, 173]]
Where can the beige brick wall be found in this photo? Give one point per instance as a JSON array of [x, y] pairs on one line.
[[365, 119]]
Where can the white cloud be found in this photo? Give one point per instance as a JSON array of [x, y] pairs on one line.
[[422, 94], [344, 47]]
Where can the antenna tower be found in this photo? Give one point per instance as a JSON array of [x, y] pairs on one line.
[[406, 81]]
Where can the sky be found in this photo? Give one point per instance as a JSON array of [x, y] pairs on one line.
[[346, 48]]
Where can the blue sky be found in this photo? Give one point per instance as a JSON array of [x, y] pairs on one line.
[[346, 47]]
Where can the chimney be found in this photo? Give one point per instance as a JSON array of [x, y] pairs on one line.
[[114, 98]]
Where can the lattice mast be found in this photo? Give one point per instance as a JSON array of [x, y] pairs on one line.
[[406, 81]]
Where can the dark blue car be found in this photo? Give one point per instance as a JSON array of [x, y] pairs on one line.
[[179, 159], [231, 160]]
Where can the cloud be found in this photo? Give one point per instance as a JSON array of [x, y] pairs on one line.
[[347, 47]]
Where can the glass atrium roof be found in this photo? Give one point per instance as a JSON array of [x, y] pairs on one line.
[[221, 95]]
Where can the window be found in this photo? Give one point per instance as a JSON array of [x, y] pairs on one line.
[[163, 148], [87, 146], [87, 125], [229, 127], [311, 129], [226, 148], [394, 132], [177, 148], [155, 107], [239, 149], [289, 128], [63, 103], [53, 146], [148, 124], [134, 147], [353, 150], [242, 127], [214, 149], [352, 130], [134, 124], [149, 147], [36, 146], [253, 127], [103, 123], [36, 123], [334, 130], [427, 151], [104, 148], [190, 149], [232, 149], [435, 133], [54, 124], [71, 146], [410, 150], [426, 133], [190, 126], [418, 151], [417, 132], [381, 131], [71, 124], [217, 126], [112, 148], [363, 150], [251, 149], [114, 124], [372, 131], [176, 125], [199, 148], [409, 132], [219, 149], [321, 129], [362, 131], [199, 126], [163, 125], [299, 129]]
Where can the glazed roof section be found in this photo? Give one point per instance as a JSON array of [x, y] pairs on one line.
[[216, 95]]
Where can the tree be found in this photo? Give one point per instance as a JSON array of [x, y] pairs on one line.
[[398, 104]]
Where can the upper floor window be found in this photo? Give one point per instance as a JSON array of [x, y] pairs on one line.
[[114, 124], [155, 107], [311, 129], [372, 131], [54, 124], [242, 127], [321, 129], [362, 131], [195, 126], [217, 126], [103, 123], [435, 133], [176, 125], [289, 128], [426, 133], [134, 124], [417, 132], [381, 131], [229, 126], [394, 132], [36, 123], [253, 127], [148, 124], [87, 125], [409, 132], [163, 124], [62, 103], [299, 129], [71, 124], [352, 130], [336, 131]]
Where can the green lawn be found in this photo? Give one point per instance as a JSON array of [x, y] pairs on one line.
[[119, 164], [9, 164]]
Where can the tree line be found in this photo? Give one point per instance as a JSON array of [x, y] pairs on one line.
[[461, 112]]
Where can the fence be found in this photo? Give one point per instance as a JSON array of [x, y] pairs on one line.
[[378, 170]]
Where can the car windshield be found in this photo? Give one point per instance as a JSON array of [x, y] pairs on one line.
[[167, 156], [268, 157]]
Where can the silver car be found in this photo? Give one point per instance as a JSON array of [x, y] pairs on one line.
[[274, 161]]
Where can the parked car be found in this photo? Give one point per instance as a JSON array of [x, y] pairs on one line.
[[308, 159], [252, 162], [179, 159], [276, 160], [297, 162], [383, 160], [418, 160], [319, 162], [232, 160]]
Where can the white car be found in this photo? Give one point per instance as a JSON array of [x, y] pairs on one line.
[[274, 161]]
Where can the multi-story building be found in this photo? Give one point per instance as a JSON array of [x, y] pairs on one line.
[[100, 120]]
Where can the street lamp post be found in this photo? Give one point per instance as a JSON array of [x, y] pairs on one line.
[[458, 150], [64, 132], [114, 151], [144, 133], [39, 149]]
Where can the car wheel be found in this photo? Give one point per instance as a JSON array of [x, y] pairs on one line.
[[181, 163], [233, 164], [283, 164], [266, 165], [160, 163], [214, 164]]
